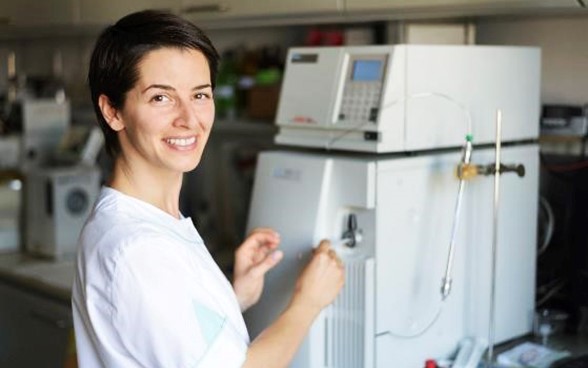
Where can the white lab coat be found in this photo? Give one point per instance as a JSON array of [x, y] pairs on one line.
[[147, 293]]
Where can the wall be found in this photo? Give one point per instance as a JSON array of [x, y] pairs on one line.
[[564, 51]]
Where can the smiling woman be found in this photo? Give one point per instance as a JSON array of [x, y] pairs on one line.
[[166, 119], [146, 292]]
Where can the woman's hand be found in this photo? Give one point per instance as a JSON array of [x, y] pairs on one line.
[[322, 279], [253, 259], [316, 287]]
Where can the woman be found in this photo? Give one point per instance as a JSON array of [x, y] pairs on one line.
[[147, 292]]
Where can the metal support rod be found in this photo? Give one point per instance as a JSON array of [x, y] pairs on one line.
[[490, 355]]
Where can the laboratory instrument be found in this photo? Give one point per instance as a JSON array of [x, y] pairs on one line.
[[399, 176], [406, 98], [58, 202]]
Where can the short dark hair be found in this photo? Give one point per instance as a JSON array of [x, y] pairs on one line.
[[121, 47]]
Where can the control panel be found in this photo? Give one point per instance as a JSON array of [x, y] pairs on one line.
[[362, 89]]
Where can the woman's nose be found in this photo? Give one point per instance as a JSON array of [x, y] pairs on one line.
[[186, 115]]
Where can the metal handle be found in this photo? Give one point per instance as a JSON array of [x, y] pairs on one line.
[[206, 8], [517, 168], [351, 235], [490, 169]]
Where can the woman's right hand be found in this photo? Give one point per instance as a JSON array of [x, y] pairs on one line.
[[321, 280], [316, 287]]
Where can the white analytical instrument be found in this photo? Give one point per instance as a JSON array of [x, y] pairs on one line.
[[406, 98], [58, 202], [390, 210]]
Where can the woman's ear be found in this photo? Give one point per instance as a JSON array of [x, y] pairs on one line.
[[110, 113]]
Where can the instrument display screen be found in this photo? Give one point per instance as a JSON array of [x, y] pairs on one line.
[[366, 70]]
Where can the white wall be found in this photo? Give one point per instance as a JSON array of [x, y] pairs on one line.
[[564, 45]]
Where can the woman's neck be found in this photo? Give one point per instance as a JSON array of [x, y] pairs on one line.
[[157, 187]]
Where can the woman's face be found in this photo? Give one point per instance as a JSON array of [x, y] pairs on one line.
[[168, 114]]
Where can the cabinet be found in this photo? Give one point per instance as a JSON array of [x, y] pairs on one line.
[[105, 12], [35, 331], [404, 4], [102, 12], [35, 12], [458, 6], [205, 9]]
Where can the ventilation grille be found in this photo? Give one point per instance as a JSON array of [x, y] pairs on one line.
[[349, 322]]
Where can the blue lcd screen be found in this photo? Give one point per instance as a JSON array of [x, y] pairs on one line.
[[366, 70]]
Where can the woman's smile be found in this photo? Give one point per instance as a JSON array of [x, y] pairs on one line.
[[183, 144]]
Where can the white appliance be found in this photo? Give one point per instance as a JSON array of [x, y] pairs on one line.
[[406, 97], [400, 206], [58, 201]]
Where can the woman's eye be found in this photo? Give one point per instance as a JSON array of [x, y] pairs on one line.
[[159, 98], [201, 96]]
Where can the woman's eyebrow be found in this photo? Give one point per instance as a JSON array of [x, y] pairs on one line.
[[170, 88], [202, 86], [159, 86]]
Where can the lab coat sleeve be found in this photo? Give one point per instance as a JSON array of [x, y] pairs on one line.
[[164, 317]]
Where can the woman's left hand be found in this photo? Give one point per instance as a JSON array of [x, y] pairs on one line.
[[257, 255]]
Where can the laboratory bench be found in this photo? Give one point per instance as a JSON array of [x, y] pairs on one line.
[[52, 279], [36, 327]]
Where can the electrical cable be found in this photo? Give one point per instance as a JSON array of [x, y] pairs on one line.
[[356, 128], [461, 106], [417, 334], [549, 294], [337, 137], [542, 289], [550, 225]]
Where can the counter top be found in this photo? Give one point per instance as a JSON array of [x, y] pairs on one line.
[[51, 278]]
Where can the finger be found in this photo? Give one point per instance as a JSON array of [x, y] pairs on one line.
[[335, 257], [266, 230], [261, 229], [323, 246], [269, 262], [263, 238], [270, 235], [339, 262]]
